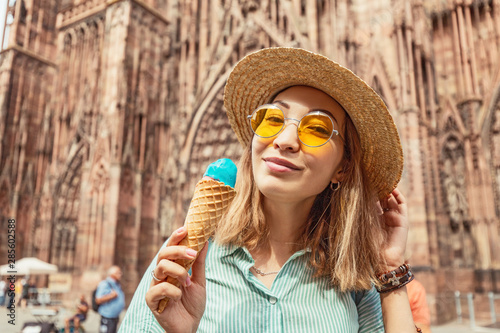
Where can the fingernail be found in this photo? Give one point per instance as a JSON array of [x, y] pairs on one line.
[[188, 281], [191, 252], [181, 230]]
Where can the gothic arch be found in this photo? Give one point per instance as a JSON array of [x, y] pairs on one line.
[[493, 141], [199, 114], [381, 83], [209, 136], [450, 121], [73, 37], [67, 41], [215, 138], [246, 32], [378, 84], [66, 205], [82, 30], [28, 183], [97, 198]]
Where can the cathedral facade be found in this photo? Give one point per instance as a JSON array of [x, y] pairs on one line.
[[110, 110]]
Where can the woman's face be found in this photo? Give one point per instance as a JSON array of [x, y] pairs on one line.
[[284, 169]]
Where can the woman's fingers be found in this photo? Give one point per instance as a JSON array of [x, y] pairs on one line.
[[394, 201], [397, 201], [156, 293], [394, 210], [198, 268], [167, 268], [172, 251], [167, 261], [177, 236], [398, 196], [176, 252]]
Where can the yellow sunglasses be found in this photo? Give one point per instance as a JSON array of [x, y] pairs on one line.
[[314, 129]]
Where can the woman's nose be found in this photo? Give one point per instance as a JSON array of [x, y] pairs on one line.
[[287, 139]]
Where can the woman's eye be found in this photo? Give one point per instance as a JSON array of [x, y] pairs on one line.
[[274, 119], [318, 130]]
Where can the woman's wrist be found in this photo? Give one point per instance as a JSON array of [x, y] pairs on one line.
[[393, 263], [391, 267]]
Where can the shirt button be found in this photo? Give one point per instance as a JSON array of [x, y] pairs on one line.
[[273, 300]]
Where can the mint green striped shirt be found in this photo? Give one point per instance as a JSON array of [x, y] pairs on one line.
[[238, 302]]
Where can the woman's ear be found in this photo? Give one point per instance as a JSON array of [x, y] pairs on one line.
[[338, 176]]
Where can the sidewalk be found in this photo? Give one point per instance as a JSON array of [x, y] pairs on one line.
[[22, 316], [91, 325], [455, 327]]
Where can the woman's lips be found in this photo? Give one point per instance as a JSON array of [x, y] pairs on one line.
[[280, 165]]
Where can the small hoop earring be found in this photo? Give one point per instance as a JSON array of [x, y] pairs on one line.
[[334, 186]]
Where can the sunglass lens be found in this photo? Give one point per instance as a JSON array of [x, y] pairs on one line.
[[267, 121], [315, 129]]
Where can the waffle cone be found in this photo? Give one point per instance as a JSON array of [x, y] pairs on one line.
[[210, 200]]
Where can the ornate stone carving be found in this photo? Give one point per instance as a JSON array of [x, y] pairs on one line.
[[455, 191], [4, 199], [454, 184], [495, 152], [248, 6]]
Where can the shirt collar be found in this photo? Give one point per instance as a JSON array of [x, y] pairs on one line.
[[112, 281], [230, 249], [227, 250]]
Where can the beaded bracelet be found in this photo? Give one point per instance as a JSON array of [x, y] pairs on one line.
[[400, 271], [395, 279], [397, 283]]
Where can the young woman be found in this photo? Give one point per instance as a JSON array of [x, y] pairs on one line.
[[315, 239]]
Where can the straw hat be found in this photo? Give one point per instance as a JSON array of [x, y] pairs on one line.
[[259, 76]]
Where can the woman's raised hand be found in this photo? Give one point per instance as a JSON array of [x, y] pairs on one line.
[[396, 224], [187, 304]]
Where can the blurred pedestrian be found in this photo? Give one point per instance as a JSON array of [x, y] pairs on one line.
[[80, 315], [419, 307], [111, 300], [32, 291], [3, 291], [24, 287]]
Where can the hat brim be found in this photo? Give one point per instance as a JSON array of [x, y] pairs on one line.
[[262, 74]]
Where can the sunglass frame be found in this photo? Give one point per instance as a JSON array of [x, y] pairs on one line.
[[250, 116]]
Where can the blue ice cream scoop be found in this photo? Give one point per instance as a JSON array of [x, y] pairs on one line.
[[223, 170]]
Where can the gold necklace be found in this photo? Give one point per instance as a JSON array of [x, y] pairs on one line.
[[261, 273]]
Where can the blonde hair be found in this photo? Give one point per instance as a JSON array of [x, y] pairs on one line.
[[343, 230]]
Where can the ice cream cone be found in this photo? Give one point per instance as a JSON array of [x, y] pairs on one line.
[[210, 200]]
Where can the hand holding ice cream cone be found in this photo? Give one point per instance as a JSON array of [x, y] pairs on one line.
[[210, 200]]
